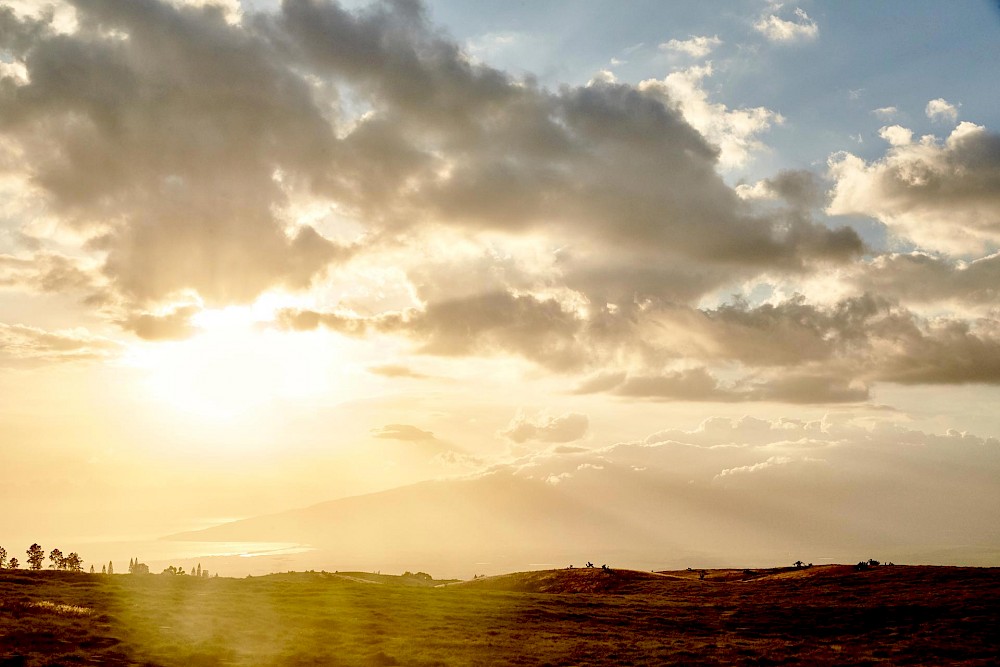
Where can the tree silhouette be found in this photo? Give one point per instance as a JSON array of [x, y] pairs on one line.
[[56, 556], [111, 567], [73, 562], [3, 557], [35, 557], [13, 564]]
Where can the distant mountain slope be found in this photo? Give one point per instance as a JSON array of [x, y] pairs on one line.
[[469, 520]]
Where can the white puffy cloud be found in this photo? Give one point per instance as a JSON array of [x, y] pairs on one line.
[[896, 135], [698, 46], [943, 196], [798, 28], [942, 110], [885, 113], [735, 131]]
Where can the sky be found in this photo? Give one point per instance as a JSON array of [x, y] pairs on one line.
[[258, 256]]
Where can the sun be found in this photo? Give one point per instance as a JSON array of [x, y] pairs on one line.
[[237, 364]]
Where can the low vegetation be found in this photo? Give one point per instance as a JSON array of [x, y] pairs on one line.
[[796, 615]]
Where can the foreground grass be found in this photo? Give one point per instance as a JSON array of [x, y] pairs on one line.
[[826, 615]]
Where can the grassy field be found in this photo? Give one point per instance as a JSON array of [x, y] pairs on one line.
[[823, 615]]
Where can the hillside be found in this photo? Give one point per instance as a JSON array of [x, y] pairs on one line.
[[485, 519], [818, 616]]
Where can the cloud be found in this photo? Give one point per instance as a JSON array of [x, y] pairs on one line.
[[688, 385], [166, 162], [699, 385], [600, 382], [396, 371], [593, 166], [22, 345], [842, 348], [922, 278], [175, 324], [896, 135], [943, 196], [698, 46], [756, 467], [183, 171], [800, 188], [404, 432], [543, 428], [809, 389], [945, 352], [47, 272], [791, 351], [196, 155], [735, 131], [885, 113], [942, 110], [777, 29], [753, 485], [483, 324]]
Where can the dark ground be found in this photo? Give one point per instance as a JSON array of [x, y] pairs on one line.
[[828, 615]]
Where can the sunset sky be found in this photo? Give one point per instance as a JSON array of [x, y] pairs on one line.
[[258, 255]]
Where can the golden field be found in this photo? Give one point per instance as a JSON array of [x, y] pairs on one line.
[[822, 615]]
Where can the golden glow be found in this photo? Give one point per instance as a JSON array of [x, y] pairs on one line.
[[236, 364]]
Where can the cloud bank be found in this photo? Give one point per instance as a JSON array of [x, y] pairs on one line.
[[174, 157]]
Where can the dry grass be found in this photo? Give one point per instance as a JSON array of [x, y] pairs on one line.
[[821, 616]]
